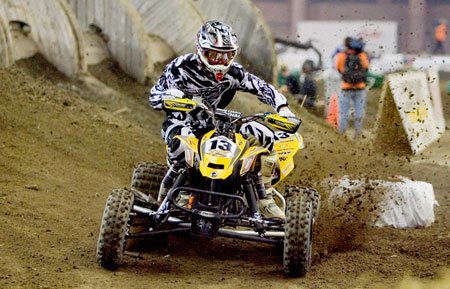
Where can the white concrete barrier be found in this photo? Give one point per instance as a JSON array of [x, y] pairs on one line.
[[125, 34], [139, 34], [398, 202], [6, 57], [175, 21], [394, 62], [439, 62], [53, 28]]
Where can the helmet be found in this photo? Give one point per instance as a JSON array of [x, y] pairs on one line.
[[217, 47], [357, 44]]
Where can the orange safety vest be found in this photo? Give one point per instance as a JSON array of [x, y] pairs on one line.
[[340, 66], [441, 32]]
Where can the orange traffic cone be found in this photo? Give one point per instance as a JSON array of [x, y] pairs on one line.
[[333, 111]]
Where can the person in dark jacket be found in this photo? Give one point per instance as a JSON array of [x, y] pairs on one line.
[[304, 88]]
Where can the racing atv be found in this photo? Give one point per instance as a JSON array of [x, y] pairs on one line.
[[215, 193]]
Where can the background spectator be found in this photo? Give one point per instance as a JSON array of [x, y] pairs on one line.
[[340, 48], [307, 87], [440, 34], [352, 64], [304, 87], [283, 74]]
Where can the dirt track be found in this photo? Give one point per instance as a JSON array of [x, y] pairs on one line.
[[63, 147]]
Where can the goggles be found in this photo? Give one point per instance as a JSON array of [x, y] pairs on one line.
[[215, 57]]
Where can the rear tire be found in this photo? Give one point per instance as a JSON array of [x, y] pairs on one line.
[[147, 178], [297, 253], [115, 223]]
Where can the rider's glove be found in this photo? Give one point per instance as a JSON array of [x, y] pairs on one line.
[[286, 112], [172, 93], [157, 99]]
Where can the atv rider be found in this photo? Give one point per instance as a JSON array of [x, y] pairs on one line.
[[211, 75]]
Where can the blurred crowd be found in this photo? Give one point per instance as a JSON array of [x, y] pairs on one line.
[[351, 63], [299, 83]]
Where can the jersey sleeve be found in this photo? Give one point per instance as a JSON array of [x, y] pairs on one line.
[[167, 81], [265, 92]]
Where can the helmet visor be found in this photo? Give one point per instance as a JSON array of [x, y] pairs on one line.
[[215, 57]]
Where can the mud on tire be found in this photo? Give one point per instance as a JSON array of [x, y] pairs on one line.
[[297, 251], [313, 195], [114, 226], [147, 178]]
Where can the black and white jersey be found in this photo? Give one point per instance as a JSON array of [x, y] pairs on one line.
[[187, 74]]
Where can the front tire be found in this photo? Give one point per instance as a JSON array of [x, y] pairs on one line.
[[115, 223], [313, 195], [297, 253]]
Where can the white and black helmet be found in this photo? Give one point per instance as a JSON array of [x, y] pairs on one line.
[[217, 47]]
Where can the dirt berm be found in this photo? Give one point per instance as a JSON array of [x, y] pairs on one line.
[[64, 146]]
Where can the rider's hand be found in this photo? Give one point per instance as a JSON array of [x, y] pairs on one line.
[[172, 93], [157, 98], [286, 112]]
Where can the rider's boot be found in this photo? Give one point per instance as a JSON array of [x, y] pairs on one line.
[[267, 205], [166, 184]]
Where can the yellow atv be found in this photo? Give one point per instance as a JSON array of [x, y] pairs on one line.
[[214, 193]]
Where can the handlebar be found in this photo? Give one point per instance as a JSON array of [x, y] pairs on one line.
[[289, 125]]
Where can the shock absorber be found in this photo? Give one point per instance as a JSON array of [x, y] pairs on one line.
[[251, 198], [259, 186]]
